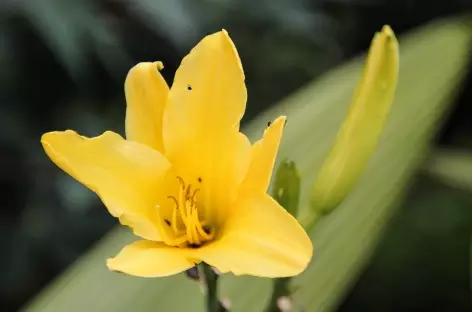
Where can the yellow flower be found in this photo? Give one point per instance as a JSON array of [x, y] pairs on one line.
[[186, 180]]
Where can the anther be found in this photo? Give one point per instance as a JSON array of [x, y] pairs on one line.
[[187, 192], [181, 182], [193, 196], [175, 201]]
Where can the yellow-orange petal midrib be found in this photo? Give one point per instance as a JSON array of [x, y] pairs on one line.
[[260, 238], [150, 259], [264, 154], [146, 93], [126, 175]]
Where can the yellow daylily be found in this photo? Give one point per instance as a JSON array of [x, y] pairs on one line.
[[185, 179]]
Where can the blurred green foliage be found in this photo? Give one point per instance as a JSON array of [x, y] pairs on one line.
[[451, 166], [434, 62], [423, 258]]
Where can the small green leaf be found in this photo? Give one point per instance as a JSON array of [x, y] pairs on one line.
[[286, 190]]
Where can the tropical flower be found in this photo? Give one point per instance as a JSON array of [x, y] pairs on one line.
[[185, 179]]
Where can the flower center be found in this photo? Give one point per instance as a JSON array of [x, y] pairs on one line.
[[185, 227]]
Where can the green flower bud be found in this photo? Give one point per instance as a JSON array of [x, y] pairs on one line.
[[359, 134]]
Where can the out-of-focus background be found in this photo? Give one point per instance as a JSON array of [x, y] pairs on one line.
[[63, 64]]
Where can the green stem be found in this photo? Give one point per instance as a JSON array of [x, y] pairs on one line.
[[211, 282], [280, 289]]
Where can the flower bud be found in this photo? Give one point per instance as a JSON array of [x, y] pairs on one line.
[[359, 134]]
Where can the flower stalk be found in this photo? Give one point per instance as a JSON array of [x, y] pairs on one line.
[[281, 288], [213, 303]]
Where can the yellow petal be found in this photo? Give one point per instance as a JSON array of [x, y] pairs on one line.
[[143, 225], [264, 153], [260, 238], [146, 94], [208, 93], [126, 175], [150, 259], [201, 121]]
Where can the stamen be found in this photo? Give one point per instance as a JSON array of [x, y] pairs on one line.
[[190, 225], [181, 181], [187, 192], [195, 232], [169, 240], [202, 232], [196, 223], [174, 219], [178, 241], [193, 196], [181, 212]]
